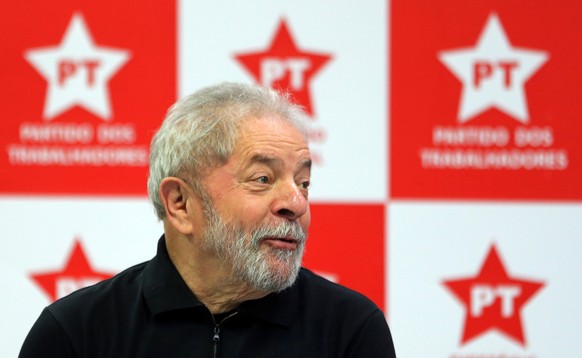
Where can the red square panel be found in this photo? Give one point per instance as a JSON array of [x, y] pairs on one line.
[[346, 244], [485, 100], [84, 85]]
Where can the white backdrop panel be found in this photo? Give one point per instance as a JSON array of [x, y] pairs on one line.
[[433, 242], [38, 235], [349, 94]]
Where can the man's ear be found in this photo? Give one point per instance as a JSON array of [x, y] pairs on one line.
[[175, 195]]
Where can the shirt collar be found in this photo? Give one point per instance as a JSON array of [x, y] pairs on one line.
[[163, 287], [165, 290]]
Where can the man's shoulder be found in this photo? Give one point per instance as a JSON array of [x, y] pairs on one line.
[[318, 289], [118, 290], [323, 285]]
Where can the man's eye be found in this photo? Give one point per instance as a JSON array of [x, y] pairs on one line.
[[263, 179], [305, 184]]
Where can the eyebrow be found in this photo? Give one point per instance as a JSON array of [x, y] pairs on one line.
[[272, 161], [306, 164]]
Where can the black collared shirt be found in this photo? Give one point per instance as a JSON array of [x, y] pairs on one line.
[[148, 311]]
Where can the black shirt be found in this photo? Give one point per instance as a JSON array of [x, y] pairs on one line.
[[148, 311]]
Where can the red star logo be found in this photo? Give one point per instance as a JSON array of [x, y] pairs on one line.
[[284, 67], [493, 300], [76, 274]]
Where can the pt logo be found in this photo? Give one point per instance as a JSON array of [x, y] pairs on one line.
[[77, 72], [493, 300], [493, 74], [285, 67], [76, 274]]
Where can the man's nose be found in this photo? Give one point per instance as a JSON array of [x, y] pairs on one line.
[[290, 201]]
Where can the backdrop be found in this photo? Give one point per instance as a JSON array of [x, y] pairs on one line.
[[445, 135]]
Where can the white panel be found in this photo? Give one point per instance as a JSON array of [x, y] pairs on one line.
[[433, 242], [348, 95], [38, 236]]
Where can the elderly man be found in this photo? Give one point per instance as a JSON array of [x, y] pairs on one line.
[[229, 178]]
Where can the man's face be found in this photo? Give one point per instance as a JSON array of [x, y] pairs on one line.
[[258, 215]]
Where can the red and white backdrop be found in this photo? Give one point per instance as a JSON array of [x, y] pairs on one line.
[[448, 165]]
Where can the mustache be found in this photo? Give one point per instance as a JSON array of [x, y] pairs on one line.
[[286, 229]]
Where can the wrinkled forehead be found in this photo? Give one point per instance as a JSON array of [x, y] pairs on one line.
[[266, 139], [270, 128], [273, 123]]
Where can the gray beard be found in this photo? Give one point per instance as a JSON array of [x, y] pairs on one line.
[[264, 268]]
